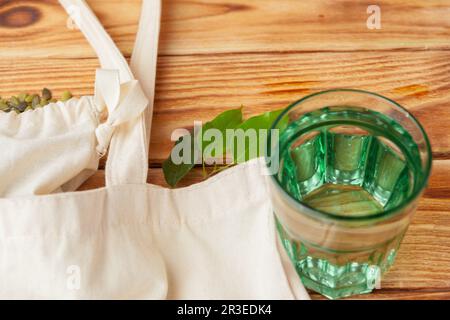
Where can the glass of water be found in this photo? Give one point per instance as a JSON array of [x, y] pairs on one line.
[[352, 166]]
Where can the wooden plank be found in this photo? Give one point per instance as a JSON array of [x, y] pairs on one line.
[[423, 260], [39, 28], [190, 88], [427, 294], [309, 25], [193, 88], [33, 74]]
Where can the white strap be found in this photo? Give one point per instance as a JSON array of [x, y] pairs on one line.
[[128, 158], [145, 55], [109, 55]]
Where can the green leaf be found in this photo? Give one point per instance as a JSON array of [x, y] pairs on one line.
[[229, 119], [263, 121], [173, 173], [226, 120], [260, 122]]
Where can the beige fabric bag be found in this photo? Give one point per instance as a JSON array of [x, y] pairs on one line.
[[53, 149], [134, 240], [49, 149]]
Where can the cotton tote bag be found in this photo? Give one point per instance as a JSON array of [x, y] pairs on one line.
[[132, 240]]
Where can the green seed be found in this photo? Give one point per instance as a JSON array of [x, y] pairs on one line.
[[46, 94], [36, 101], [29, 98], [43, 103], [22, 96], [24, 101], [14, 101], [22, 106], [67, 95]]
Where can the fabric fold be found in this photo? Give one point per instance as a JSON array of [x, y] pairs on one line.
[[124, 102]]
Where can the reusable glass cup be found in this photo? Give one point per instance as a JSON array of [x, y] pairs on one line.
[[352, 166]]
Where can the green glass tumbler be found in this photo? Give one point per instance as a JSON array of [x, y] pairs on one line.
[[352, 166]]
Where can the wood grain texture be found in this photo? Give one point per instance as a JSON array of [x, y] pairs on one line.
[[193, 88], [289, 25], [49, 33], [264, 54], [383, 294], [213, 26]]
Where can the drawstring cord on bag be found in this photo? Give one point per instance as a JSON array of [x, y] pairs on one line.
[[124, 102]]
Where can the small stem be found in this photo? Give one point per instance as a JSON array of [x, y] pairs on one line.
[[205, 174], [217, 170]]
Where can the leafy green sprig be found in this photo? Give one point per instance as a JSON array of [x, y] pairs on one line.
[[230, 119]]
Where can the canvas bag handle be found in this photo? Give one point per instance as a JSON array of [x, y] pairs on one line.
[[126, 125], [145, 55]]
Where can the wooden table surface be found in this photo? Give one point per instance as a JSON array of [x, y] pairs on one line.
[[263, 54]]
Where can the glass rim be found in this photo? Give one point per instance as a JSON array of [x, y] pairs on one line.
[[383, 214]]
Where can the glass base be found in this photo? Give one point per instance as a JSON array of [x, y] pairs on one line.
[[339, 274], [336, 282]]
